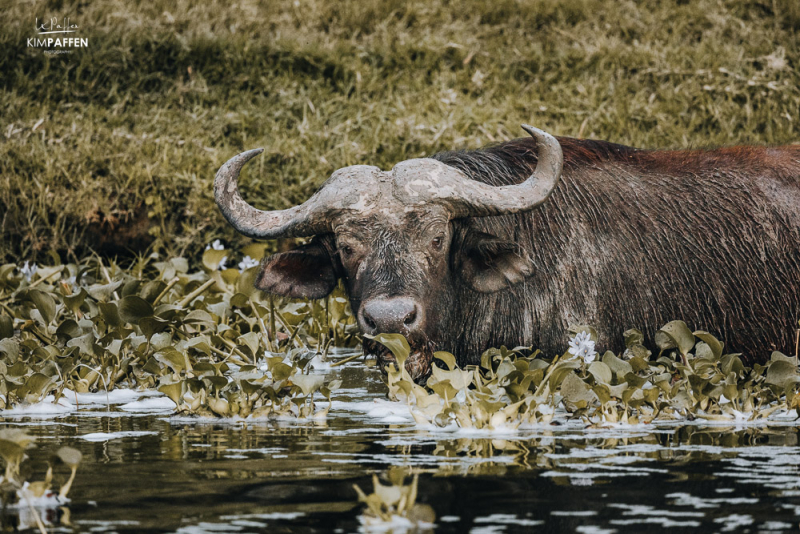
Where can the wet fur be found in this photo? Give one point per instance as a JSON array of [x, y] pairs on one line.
[[636, 238]]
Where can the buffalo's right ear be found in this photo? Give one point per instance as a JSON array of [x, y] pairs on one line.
[[305, 272]]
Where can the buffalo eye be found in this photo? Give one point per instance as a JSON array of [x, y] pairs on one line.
[[347, 251], [436, 244]]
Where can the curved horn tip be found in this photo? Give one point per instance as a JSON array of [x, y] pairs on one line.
[[250, 154], [536, 132]]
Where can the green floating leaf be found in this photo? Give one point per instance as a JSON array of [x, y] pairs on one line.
[[246, 281], [152, 289], [37, 386], [171, 357], [308, 383], [675, 334], [396, 343], [172, 390], [601, 372], [44, 303], [103, 292], [212, 257], [9, 348], [251, 341], [704, 355], [444, 389], [6, 327], [198, 317], [633, 337], [76, 300], [85, 343], [133, 309], [575, 390], [281, 371], [619, 367], [713, 343], [69, 329], [110, 313], [220, 407], [781, 373], [240, 300], [779, 356], [447, 358], [561, 370], [152, 325], [216, 382]]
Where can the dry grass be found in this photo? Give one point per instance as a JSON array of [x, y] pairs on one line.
[[115, 146]]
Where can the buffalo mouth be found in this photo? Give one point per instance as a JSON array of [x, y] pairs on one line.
[[418, 363]]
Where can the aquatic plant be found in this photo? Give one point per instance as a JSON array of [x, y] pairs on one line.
[[15, 490], [205, 338], [394, 506], [691, 377], [582, 346], [217, 347]]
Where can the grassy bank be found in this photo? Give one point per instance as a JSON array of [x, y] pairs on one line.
[[114, 147]]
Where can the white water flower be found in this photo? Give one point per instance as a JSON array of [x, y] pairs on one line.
[[247, 263], [28, 270], [583, 347], [216, 245], [223, 263]]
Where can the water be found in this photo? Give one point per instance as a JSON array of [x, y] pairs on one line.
[[147, 471]]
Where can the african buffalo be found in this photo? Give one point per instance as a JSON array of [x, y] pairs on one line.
[[474, 249]]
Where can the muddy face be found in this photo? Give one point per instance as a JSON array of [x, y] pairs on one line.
[[397, 273], [401, 272]]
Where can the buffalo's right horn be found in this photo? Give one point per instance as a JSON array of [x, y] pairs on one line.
[[299, 221]]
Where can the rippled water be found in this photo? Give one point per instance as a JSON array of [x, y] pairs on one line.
[[146, 471]]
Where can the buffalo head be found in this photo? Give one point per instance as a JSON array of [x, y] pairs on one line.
[[391, 237]]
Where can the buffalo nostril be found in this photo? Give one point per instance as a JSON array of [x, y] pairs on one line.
[[394, 315]]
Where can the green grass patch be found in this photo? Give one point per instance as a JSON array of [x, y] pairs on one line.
[[113, 148]]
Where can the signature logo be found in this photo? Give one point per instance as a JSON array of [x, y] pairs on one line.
[[56, 36]]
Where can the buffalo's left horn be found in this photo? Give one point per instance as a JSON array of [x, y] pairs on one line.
[[299, 221], [476, 199]]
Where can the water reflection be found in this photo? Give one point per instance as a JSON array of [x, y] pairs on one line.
[[152, 472]]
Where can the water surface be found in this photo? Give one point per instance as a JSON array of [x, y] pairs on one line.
[[146, 471]]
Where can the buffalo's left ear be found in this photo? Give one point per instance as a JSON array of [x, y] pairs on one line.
[[305, 272], [488, 263]]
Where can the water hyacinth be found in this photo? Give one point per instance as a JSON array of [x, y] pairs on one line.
[[28, 270], [582, 346], [512, 388], [215, 245], [198, 336], [247, 263]]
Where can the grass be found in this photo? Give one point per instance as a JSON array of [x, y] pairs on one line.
[[113, 148]]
